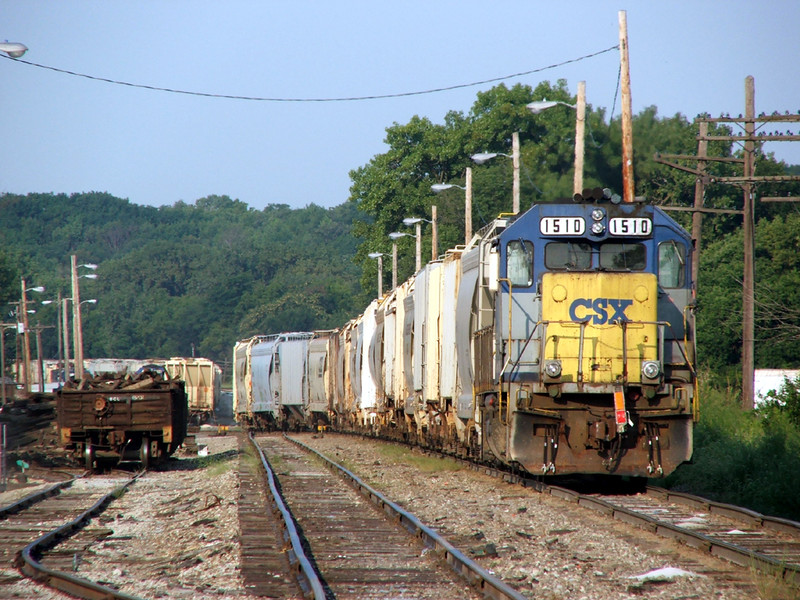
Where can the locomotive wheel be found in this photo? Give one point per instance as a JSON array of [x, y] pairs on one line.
[[88, 457], [144, 453]]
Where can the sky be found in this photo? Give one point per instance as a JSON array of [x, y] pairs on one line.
[[64, 133]]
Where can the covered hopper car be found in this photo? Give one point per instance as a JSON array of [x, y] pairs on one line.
[[202, 379]]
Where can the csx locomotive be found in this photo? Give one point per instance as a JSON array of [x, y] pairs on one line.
[[557, 341]]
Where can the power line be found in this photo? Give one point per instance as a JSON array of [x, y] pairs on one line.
[[341, 99]]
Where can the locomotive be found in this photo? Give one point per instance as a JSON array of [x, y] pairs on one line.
[[557, 341]]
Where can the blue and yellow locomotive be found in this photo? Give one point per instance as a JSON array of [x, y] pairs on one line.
[[591, 339], [558, 341]]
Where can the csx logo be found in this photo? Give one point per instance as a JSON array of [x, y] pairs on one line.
[[600, 310]]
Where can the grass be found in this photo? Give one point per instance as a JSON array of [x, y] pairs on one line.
[[772, 586], [396, 454], [741, 457]]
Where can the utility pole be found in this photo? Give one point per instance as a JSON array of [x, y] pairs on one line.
[[468, 207], [747, 181], [515, 165], [699, 200], [627, 115], [580, 127], [748, 287]]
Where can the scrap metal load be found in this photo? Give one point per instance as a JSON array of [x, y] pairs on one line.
[[123, 418]]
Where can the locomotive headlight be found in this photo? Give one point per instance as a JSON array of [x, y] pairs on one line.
[[598, 214], [651, 369], [598, 228], [552, 368]]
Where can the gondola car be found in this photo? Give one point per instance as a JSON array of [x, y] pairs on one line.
[[111, 419]]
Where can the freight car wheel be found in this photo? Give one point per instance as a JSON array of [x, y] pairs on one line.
[[88, 457], [144, 453]]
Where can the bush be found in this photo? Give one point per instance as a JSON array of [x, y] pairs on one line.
[[745, 458]]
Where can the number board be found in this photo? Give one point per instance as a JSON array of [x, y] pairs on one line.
[[562, 226], [630, 226]]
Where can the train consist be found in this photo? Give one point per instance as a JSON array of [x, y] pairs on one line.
[[557, 341]]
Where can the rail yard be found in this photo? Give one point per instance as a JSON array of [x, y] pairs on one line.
[[205, 525]]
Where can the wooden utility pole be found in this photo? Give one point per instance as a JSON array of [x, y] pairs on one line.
[[627, 116], [699, 200], [580, 128], [434, 234], [468, 207], [515, 163], [748, 287], [747, 181]]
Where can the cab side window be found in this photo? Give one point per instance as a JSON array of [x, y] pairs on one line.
[[671, 264], [519, 263]]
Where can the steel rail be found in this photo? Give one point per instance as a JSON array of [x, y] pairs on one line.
[[736, 554], [491, 586], [309, 579], [32, 499], [82, 588], [731, 552]]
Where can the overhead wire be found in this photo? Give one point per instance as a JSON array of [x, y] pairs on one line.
[[339, 99]]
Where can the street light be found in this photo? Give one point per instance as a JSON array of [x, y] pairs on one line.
[[379, 256], [24, 331], [76, 312], [580, 126], [482, 157], [417, 221], [13, 49], [437, 188]]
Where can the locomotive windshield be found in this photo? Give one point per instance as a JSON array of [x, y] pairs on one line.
[[613, 256], [568, 255], [622, 257]]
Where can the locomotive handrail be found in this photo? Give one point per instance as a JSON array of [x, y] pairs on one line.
[[582, 324]]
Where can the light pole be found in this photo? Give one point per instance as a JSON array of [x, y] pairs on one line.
[[76, 313], [379, 256], [23, 328], [580, 126], [437, 188], [13, 49], [59, 337], [417, 221], [482, 157], [396, 235]]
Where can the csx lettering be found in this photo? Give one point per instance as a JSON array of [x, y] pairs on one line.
[[600, 310]]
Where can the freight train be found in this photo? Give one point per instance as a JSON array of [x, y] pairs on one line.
[[558, 341]]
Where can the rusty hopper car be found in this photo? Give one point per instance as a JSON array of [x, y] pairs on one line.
[[113, 419]]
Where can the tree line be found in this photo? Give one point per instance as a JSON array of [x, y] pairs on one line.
[[194, 278]]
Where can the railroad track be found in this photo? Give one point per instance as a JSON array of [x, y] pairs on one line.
[[359, 544], [740, 536], [44, 534], [737, 534]]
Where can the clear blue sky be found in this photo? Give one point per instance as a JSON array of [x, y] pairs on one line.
[[62, 133]]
